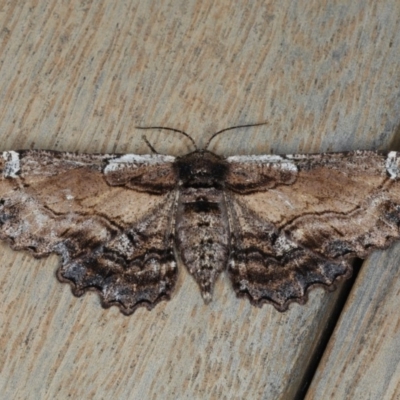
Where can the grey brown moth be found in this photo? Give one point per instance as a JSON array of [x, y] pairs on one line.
[[278, 225]]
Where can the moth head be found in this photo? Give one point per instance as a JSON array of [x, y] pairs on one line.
[[201, 169]]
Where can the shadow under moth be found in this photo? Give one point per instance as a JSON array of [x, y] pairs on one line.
[[278, 225]]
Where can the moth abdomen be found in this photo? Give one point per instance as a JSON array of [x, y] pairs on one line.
[[203, 235], [201, 206]]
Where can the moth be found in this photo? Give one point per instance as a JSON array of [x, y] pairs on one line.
[[278, 225]]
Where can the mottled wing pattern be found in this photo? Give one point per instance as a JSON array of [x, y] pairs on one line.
[[109, 217], [296, 221]]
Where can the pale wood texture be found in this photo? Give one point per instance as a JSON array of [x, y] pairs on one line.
[[362, 360], [80, 75]]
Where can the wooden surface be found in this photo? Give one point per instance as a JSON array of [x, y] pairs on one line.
[[80, 75], [362, 360]]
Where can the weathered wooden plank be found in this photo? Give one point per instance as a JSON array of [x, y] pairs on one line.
[[80, 75], [362, 360]]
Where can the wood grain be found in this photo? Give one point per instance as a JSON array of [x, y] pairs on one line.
[[81, 75], [362, 359]]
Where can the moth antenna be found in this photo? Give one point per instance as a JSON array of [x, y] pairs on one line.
[[170, 129], [230, 128], [153, 150]]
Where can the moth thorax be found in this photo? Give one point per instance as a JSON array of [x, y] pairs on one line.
[[202, 169]]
